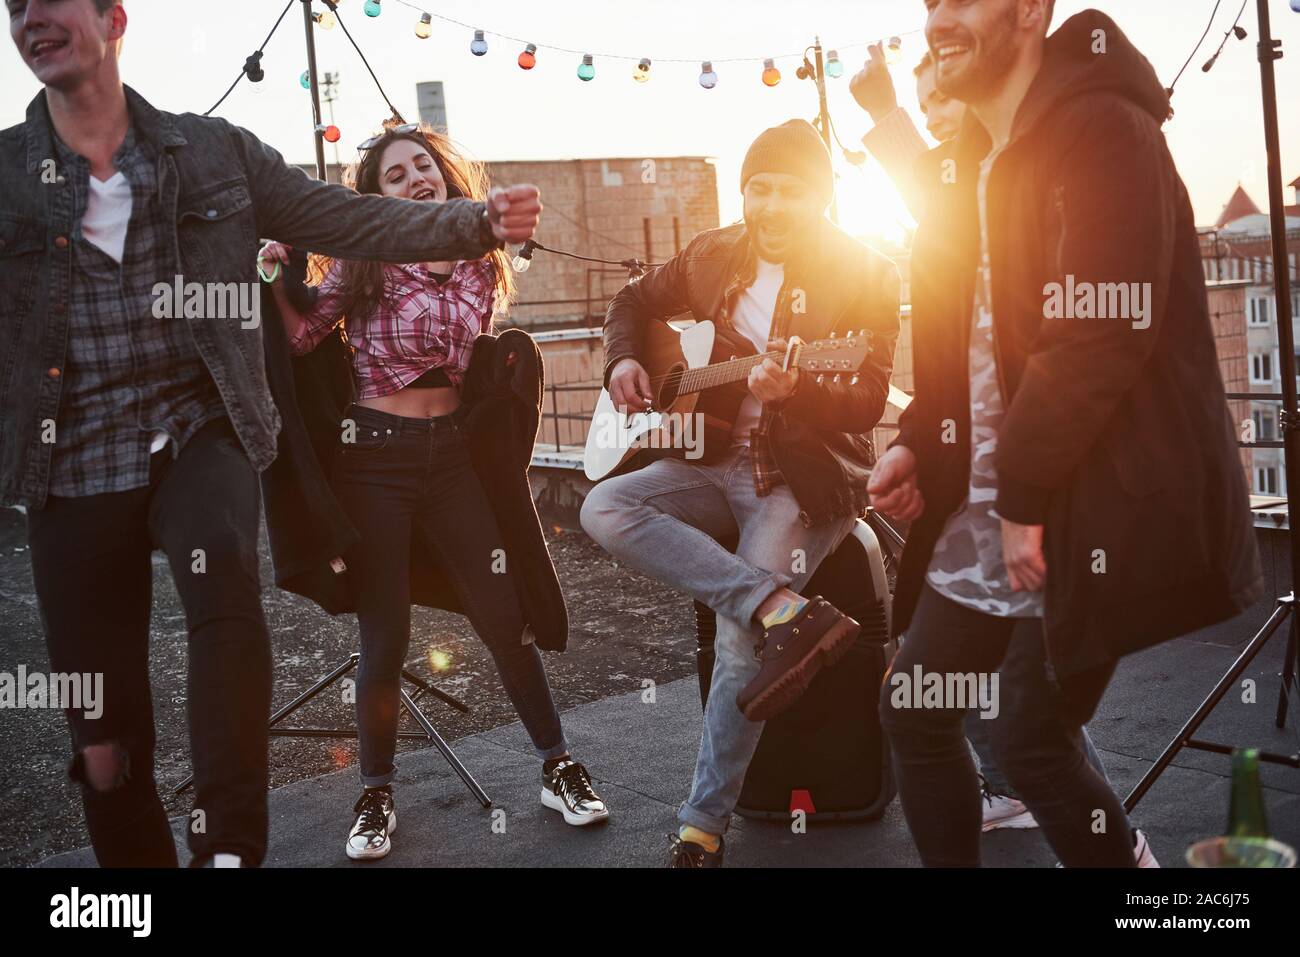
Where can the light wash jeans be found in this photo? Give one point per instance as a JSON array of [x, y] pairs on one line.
[[664, 520]]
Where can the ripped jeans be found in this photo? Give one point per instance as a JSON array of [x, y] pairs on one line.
[[404, 477], [92, 564]]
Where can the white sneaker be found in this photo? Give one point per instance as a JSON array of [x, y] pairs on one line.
[[1142, 850], [1001, 811], [369, 838], [568, 789]]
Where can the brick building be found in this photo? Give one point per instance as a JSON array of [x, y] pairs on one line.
[[1237, 256], [635, 208], [644, 208]]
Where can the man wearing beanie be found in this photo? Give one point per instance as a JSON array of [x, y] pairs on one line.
[[790, 478]]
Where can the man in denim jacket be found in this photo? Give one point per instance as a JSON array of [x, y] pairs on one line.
[[135, 409]]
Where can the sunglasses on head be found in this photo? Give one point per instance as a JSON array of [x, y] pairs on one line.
[[376, 140]]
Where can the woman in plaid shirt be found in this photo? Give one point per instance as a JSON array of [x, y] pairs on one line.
[[404, 470]]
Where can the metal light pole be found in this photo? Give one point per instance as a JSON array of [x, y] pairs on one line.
[[817, 74], [309, 24]]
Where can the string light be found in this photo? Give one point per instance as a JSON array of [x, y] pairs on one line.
[[305, 80], [326, 20], [253, 68], [642, 71], [331, 134], [424, 29], [372, 8], [527, 60], [524, 257]]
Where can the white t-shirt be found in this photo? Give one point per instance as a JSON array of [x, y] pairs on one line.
[[752, 318], [104, 225], [108, 213]]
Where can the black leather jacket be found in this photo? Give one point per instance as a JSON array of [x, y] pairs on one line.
[[821, 437]]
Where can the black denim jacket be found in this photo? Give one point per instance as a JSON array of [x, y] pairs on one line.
[[224, 190]]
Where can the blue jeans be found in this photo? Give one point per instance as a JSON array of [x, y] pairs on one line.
[[406, 476], [664, 521]]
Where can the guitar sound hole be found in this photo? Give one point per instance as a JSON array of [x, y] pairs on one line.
[[667, 393]]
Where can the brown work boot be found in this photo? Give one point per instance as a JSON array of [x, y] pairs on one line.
[[792, 653]]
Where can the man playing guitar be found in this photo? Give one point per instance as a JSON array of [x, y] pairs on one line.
[[790, 475]]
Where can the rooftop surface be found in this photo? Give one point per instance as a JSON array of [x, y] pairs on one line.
[[625, 629]]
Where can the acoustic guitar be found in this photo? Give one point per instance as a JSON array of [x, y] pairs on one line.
[[697, 393]]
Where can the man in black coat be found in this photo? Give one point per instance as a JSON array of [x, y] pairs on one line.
[[1068, 463]]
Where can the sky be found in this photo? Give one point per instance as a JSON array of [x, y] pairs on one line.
[[183, 54]]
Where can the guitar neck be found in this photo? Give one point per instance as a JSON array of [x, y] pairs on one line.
[[722, 373]]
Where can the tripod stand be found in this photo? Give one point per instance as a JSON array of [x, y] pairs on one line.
[[427, 730], [1285, 611]]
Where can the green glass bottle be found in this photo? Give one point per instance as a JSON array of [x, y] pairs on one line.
[[1246, 813]]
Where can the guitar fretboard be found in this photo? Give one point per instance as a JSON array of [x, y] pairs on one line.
[[721, 373]]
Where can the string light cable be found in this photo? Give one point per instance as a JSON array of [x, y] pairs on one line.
[[523, 258], [641, 73], [334, 8], [1236, 30], [253, 65]]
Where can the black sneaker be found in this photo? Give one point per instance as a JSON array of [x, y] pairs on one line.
[[567, 789], [376, 821], [689, 854]]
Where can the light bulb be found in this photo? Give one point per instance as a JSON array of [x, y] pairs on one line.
[[330, 134], [372, 8], [833, 65], [528, 59], [478, 46], [424, 29], [708, 79], [587, 69], [524, 257], [771, 75], [305, 80], [325, 20], [642, 71], [894, 52]]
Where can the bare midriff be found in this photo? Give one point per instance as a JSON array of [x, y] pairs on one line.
[[416, 403]]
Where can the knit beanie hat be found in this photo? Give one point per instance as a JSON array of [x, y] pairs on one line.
[[794, 147]]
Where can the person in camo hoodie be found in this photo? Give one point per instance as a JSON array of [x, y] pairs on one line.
[[1073, 484]]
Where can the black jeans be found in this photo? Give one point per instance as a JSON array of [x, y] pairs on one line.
[[91, 560], [1039, 749], [406, 476]]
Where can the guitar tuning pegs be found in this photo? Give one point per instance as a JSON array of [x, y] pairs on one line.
[[821, 379], [854, 380], [836, 380]]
